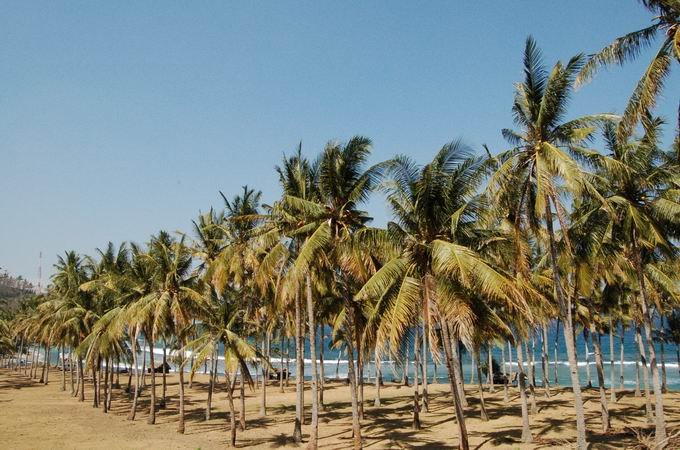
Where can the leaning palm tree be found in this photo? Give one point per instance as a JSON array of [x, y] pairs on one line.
[[629, 46], [540, 165]]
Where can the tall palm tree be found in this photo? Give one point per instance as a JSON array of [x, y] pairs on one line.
[[343, 184], [628, 47], [76, 306], [175, 300], [298, 178], [642, 189], [431, 263], [541, 164]]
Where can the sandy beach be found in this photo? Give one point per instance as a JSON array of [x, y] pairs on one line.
[[38, 416]]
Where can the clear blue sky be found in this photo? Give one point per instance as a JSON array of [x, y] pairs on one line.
[[121, 118]]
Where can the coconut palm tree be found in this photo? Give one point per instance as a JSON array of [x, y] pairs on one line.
[[642, 189], [430, 265], [76, 307], [343, 184], [666, 23], [223, 321], [541, 164], [174, 300]]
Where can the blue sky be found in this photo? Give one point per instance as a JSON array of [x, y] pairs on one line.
[[118, 119]]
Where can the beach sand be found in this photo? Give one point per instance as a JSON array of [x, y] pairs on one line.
[[38, 416]]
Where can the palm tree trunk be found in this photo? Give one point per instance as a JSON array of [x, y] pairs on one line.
[[151, 420], [556, 359], [110, 398], [356, 424], [449, 341], [287, 361], [63, 369], [545, 362], [28, 351], [600, 377], [117, 385], [360, 362], [510, 362], [21, 354], [612, 390], [621, 356], [472, 370], [638, 358], [645, 375], [165, 383], [180, 423], [314, 432], [660, 420], [533, 360], [45, 364], [96, 382], [71, 363], [426, 336], [282, 343], [565, 315], [263, 397], [242, 395], [378, 378], [455, 353], [521, 383], [664, 386], [35, 358], [489, 372], [106, 384], [144, 361], [532, 392], [211, 385], [133, 349], [587, 354], [484, 414], [81, 380], [405, 363], [299, 370], [322, 377], [230, 397], [416, 384], [505, 374]]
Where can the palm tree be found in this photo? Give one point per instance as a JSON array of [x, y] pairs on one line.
[[628, 47], [298, 179], [175, 300], [343, 184], [223, 322], [431, 263], [542, 159], [642, 189], [75, 305]]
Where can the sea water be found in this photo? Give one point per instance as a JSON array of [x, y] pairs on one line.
[[335, 362]]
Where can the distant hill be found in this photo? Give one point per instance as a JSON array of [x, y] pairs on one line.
[[14, 289]]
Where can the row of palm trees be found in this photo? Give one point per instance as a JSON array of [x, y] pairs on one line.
[[482, 251]]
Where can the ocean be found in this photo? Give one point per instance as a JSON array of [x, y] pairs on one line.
[[335, 363]]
